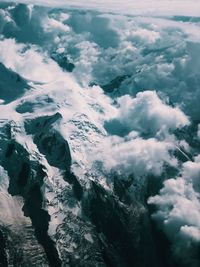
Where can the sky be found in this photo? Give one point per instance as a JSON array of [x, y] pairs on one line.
[[145, 7]]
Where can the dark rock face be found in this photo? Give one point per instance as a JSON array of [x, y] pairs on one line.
[[50, 142], [113, 84], [54, 148], [20, 248], [29, 106], [40, 220], [3, 256], [24, 174], [11, 84], [21, 170], [24, 183], [26, 179], [76, 186], [63, 61], [123, 230]]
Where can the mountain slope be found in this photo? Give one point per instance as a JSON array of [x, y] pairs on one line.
[[99, 137]]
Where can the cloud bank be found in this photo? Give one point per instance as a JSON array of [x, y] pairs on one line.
[[145, 7], [179, 212], [147, 114]]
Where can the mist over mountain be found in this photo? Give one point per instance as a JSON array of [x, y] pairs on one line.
[[100, 133]]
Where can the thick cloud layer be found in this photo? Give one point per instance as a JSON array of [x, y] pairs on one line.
[[135, 155], [155, 7], [147, 114], [179, 212], [27, 63]]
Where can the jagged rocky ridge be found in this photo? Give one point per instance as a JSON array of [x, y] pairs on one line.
[[114, 228], [108, 233], [107, 220]]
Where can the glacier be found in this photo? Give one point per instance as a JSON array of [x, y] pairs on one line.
[[99, 133]]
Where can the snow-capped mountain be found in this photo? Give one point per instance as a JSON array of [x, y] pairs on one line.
[[99, 134]]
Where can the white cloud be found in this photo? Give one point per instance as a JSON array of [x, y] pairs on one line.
[[145, 35], [155, 53], [29, 63], [54, 26], [88, 56], [134, 155], [148, 114], [155, 7], [178, 211]]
